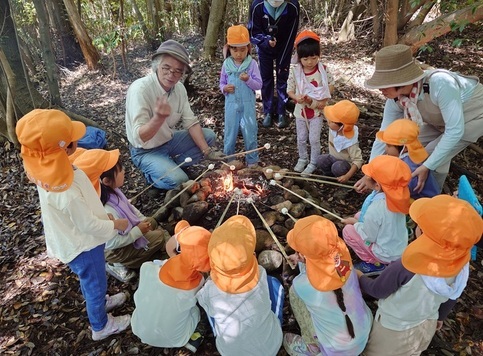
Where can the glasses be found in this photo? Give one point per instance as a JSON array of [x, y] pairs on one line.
[[175, 72]]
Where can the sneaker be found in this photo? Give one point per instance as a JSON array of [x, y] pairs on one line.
[[194, 342], [300, 166], [115, 324], [370, 269], [296, 346], [309, 170], [114, 301], [120, 272]]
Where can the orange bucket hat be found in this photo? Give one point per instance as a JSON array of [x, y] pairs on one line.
[[234, 267], [183, 271], [77, 153], [345, 112], [404, 132], [450, 227], [394, 176], [96, 161], [44, 135], [327, 258], [305, 34], [236, 36]]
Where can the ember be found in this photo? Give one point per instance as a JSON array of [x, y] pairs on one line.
[[251, 186]]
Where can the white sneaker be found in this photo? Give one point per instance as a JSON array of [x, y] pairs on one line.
[[309, 170], [115, 325], [301, 163], [120, 272], [114, 301]]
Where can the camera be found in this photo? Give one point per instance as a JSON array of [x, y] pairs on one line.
[[272, 30]]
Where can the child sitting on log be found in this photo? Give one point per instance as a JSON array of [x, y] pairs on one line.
[[325, 297], [243, 305], [378, 234], [166, 313], [142, 240]]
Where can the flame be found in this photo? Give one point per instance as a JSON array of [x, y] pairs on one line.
[[228, 182]]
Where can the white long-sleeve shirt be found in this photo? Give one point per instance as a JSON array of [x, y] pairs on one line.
[[74, 220]]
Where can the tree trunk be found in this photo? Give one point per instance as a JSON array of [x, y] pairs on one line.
[[376, 20], [47, 53], [91, 55], [217, 14], [67, 49], [420, 35], [146, 33], [204, 15], [390, 33], [347, 31]]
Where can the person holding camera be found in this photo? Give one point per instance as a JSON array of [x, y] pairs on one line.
[[273, 25]]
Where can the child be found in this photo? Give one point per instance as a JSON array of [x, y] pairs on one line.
[[239, 79], [345, 157], [142, 240], [75, 223], [418, 291], [237, 297], [401, 139], [379, 235], [166, 314], [325, 297], [309, 85]]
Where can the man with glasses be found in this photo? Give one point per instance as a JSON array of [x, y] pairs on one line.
[[156, 105]]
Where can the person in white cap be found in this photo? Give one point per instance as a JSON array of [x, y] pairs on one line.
[[155, 105]]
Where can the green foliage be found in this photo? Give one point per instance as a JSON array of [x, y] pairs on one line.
[[425, 48]]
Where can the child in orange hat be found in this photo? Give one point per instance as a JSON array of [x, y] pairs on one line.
[[239, 78], [401, 139], [142, 240], [237, 298], [345, 156], [418, 291], [309, 85], [325, 297], [378, 235], [166, 314], [75, 223]]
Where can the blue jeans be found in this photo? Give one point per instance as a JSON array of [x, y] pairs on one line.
[[89, 266], [157, 162]]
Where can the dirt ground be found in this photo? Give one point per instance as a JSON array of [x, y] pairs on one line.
[[42, 311]]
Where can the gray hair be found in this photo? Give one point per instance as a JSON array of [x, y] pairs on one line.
[[157, 60]]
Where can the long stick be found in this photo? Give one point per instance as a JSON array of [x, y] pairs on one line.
[[186, 160], [226, 209], [273, 182], [265, 146], [284, 211], [281, 248], [210, 167], [232, 167], [283, 173], [319, 181]]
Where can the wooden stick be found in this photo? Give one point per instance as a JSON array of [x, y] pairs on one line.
[[282, 249], [283, 173], [210, 167], [273, 182], [186, 160], [284, 211], [232, 167], [226, 209], [265, 146], [322, 181], [238, 204]]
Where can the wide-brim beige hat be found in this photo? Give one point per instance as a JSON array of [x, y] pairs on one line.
[[395, 67]]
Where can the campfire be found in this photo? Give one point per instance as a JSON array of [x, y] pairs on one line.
[[249, 185]]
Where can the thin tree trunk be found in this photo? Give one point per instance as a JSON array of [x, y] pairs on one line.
[[10, 119], [91, 55], [146, 33], [47, 53], [376, 20], [217, 14], [390, 33]]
